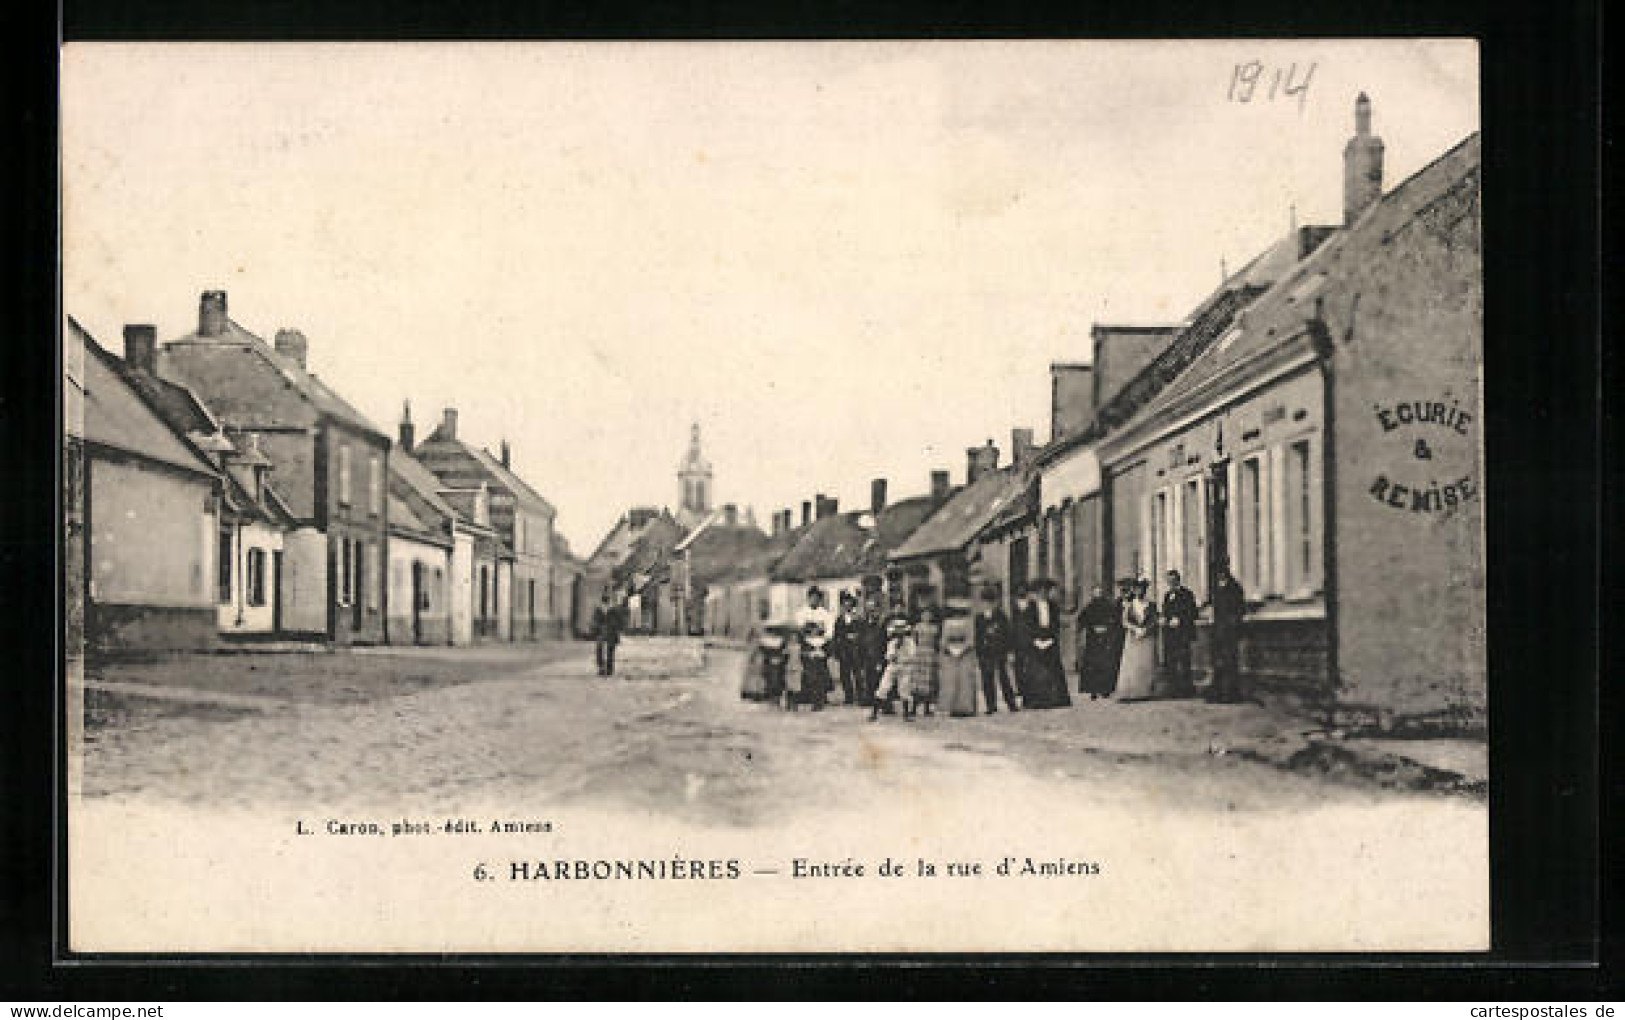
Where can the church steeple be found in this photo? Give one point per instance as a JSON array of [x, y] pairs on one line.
[[694, 482]]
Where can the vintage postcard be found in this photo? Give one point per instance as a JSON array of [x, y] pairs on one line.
[[792, 497]]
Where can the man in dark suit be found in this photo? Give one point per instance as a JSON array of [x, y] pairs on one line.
[[871, 648], [1229, 607], [844, 646], [607, 624], [1178, 633], [992, 637]]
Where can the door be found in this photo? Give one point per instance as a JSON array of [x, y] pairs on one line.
[[1218, 521], [418, 600]]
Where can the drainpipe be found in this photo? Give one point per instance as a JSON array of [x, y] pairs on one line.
[[1325, 354]]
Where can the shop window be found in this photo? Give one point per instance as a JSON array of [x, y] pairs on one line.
[[1253, 541], [256, 577], [1301, 545]]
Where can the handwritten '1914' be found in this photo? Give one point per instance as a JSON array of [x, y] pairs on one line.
[[1245, 80]]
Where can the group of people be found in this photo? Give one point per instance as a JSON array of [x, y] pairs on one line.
[[1117, 640], [896, 662]]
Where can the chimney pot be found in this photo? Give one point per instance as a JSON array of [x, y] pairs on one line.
[[291, 344], [806, 512], [141, 348], [506, 454], [939, 484], [448, 423], [730, 514], [877, 495], [211, 313], [1362, 164]]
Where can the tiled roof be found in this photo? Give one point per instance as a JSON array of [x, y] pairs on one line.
[[1279, 316], [422, 483], [506, 477], [963, 517], [720, 548], [841, 546], [320, 395], [116, 415]]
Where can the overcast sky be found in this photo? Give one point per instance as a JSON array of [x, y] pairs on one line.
[[845, 261]]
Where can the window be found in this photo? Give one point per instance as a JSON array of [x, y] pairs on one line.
[[346, 573], [344, 475], [1195, 573], [1250, 504], [256, 577], [375, 485], [223, 565], [519, 533], [1301, 517], [371, 590]]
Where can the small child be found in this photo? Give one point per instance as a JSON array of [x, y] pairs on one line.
[[894, 682]]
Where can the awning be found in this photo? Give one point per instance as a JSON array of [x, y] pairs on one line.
[[1074, 476]]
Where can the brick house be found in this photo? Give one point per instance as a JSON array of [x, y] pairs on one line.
[[329, 461]]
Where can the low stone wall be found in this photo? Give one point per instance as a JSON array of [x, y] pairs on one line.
[[114, 628]]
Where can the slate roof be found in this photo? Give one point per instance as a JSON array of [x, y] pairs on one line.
[[116, 414], [320, 395], [1210, 321], [963, 517], [1279, 317], [840, 545]]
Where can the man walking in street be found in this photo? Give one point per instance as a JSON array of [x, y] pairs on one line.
[[845, 647], [1229, 606], [1178, 633], [607, 624], [992, 639]]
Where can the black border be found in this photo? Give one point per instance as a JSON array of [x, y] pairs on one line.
[[1542, 173]]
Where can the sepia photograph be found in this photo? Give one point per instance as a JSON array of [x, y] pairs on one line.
[[995, 496]]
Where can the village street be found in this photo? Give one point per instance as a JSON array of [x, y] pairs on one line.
[[246, 778], [668, 734]]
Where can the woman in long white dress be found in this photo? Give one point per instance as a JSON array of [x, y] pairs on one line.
[[1139, 669]]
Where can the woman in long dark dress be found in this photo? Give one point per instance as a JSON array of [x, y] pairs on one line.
[[1097, 663], [1046, 677]]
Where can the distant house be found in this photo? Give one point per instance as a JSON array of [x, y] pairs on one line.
[[642, 533], [708, 554], [143, 506], [851, 551], [568, 587], [330, 464], [522, 517], [943, 555], [742, 597]]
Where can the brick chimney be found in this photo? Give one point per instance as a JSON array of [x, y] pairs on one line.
[[939, 485], [1021, 445], [730, 515], [1362, 164], [448, 423], [408, 430], [877, 495], [141, 348], [806, 512], [1071, 397], [505, 454], [827, 506], [291, 344], [979, 460], [211, 313]]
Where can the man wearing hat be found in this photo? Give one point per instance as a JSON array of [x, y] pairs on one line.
[[607, 623], [992, 637], [844, 645], [816, 626]]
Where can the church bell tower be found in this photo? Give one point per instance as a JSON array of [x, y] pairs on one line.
[[694, 483]]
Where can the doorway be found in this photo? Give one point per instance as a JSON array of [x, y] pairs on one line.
[[418, 599], [1218, 522]]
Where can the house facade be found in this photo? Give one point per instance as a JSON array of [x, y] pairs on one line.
[[524, 603], [1326, 449], [329, 462], [142, 510]]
